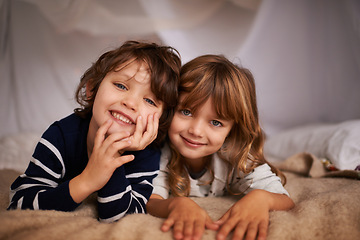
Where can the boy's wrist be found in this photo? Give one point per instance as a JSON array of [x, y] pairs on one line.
[[79, 189]]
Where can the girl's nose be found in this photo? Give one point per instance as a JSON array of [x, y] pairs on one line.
[[196, 128]]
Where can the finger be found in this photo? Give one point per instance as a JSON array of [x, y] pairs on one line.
[[178, 229], [156, 119], [155, 125], [116, 143], [225, 229], [117, 137], [209, 224], [188, 229], [139, 128], [223, 218], [240, 230], [263, 228], [124, 159], [155, 122], [101, 132], [198, 231], [151, 130], [251, 231], [167, 224]]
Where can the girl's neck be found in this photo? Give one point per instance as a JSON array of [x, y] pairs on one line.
[[198, 165]]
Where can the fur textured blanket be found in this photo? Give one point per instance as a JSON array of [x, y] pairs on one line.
[[327, 207]]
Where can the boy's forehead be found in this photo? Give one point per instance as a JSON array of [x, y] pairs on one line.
[[140, 64]]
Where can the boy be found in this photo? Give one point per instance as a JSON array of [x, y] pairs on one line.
[[127, 100]]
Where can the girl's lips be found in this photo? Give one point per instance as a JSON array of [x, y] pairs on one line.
[[122, 117], [192, 143]]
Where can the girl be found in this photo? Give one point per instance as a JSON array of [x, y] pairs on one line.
[[216, 149], [122, 96]]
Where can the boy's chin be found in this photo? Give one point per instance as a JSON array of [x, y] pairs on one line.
[[113, 130]]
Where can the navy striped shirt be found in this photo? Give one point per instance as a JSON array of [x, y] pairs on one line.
[[61, 155]]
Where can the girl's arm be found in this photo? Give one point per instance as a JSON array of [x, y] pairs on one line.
[[250, 215], [187, 219]]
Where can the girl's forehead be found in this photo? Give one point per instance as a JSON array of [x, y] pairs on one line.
[[196, 103]]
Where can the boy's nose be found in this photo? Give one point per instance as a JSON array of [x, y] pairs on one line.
[[130, 101]]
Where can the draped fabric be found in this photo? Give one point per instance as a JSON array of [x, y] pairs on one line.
[[305, 55]]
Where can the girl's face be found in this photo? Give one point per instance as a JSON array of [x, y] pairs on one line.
[[123, 95], [200, 134]]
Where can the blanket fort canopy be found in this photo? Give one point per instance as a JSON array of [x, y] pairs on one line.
[[305, 55]]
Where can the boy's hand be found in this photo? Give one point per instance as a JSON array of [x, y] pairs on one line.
[[142, 136], [187, 219], [105, 157], [104, 160]]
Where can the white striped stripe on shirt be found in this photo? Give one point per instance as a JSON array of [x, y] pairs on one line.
[[56, 152]]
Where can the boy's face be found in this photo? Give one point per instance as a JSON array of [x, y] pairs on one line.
[[200, 134], [123, 95]]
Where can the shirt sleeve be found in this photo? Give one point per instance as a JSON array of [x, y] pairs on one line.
[[260, 178], [130, 187], [42, 185]]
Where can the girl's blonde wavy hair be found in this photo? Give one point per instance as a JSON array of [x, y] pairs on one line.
[[232, 89]]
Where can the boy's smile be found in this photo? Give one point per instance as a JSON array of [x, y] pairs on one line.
[[118, 116]]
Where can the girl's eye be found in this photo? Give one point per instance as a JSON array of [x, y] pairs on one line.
[[150, 101], [121, 86], [216, 123], [186, 112]]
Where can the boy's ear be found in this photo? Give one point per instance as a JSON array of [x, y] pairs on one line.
[[88, 90]]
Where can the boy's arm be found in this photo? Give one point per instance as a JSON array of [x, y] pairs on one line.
[[130, 187], [42, 186]]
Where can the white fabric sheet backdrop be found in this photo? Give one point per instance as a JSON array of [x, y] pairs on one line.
[[305, 55]]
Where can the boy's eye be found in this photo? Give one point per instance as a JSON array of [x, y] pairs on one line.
[[121, 86], [216, 123], [186, 112], [150, 101]]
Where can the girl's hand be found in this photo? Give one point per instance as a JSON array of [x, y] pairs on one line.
[[103, 161], [143, 137], [248, 217], [187, 219]]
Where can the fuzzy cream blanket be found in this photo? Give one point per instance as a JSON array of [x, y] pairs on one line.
[[327, 207]]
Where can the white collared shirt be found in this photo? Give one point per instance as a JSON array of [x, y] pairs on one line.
[[260, 178]]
